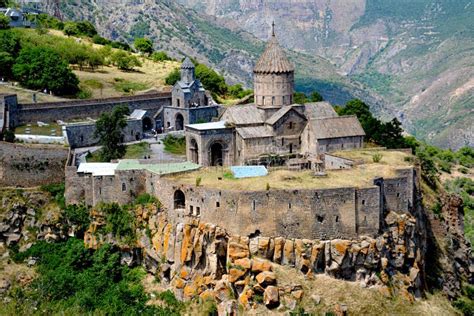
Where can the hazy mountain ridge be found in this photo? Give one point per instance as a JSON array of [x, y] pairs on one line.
[[181, 31], [416, 54]]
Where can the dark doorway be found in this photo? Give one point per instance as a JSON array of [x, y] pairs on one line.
[[147, 124], [194, 151], [179, 200], [179, 122], [217, 155]]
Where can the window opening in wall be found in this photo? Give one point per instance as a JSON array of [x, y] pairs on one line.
[[263, 100], [320, 218], [337, 219], [179, 200], [218, 204], [254, 205], [198, 211], [82, 138], [291, 148], [100, 191], [365, 219], [283, 142], [363, 202], [178, 102], [124, 187], [191, 209], [342, 146], [398, 194], [290, 125], [289, 206]]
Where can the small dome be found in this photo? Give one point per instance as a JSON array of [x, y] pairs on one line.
[[273, 59], [187, 64]]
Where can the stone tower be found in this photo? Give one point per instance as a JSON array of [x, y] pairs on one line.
[[187, 71], [273, 77]]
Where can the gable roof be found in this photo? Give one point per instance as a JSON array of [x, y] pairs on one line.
[[254, 132], [273, 59], [281, 113], [243, 115], [319, 110], [337, 127]]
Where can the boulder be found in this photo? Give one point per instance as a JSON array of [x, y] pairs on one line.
[[266, 278], [261, 265], [223, 290], [228, 308], [271, 297]]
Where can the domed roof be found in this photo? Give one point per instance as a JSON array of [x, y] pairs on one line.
[[187, 64], [273, 59]]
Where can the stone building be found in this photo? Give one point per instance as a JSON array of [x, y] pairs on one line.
[[190, 103], [273, 125]]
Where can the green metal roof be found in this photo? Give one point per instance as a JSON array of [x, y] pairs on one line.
[[163, 168]]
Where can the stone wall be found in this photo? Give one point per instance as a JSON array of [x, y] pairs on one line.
[[70, 110], [273, 90], [31, 165], [332, 162], [82, 134], [343, 143], [324, 213]]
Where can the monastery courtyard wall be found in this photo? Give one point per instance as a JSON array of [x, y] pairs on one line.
[[310, 213]]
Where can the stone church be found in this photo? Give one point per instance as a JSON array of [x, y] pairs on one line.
[[190, 103], [273, 126]]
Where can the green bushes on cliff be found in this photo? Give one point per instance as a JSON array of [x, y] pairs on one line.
[[75, 280]]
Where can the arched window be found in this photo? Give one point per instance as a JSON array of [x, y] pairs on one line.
[[124, 187], [179, 200]]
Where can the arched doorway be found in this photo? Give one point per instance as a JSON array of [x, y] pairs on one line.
[[217, 155], [194, 151], [147, 124], [179, 122], [179, 200]]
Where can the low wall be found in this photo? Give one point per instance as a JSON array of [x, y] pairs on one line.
[[70, 110], [31, 165]]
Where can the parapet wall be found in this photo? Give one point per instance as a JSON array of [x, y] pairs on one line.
[[71, 110], [31, 165], [310, 213]]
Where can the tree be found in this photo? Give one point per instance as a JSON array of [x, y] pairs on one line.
[[144, 45], [173, 77], [211, 80], [43, 68], [70, 29], [86, 28], [125, 61], [4, 22], [316, 97], [299, 98], [109, 131], [10, 43], [160, 56], [6, 64]]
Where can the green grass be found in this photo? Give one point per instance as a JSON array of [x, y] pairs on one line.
[[135, 151], [129, 86], [40, 130], [175, 145]]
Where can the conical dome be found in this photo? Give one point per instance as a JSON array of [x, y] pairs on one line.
[[187, 64], [273, 59]]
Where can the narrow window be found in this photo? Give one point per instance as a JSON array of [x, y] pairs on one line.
[[283, 142], [337, 219], [273, 100], [398, 194], [124, 187], [254, 205], [289, 206], [263, 100], [291, 125], [198, 211], [363, 202], [291, 148], [191, 209], [218, 204], [178, 102]]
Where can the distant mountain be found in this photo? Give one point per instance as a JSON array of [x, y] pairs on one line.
[[417, 54], [407, 58]]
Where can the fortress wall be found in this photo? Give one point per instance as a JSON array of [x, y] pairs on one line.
[[76, 186], [31, 165], [82, 134], [396, 192], [368, 210], [71, 110], [321, 214]]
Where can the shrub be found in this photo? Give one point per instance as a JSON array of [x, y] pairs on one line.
[[173, 77], [8, 136], [144, 45], [198, 181], [377, 157], [78, 215], [118, 222], [57, 192], [125, 61], [145, 199], [160, 56], [4, 22]]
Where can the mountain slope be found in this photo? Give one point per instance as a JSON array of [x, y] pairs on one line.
[[416, 54], [232, 51]]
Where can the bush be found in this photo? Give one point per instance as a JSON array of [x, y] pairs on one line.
[[119, 222], [145, 199], [173, 77], [75, 280], [144, 45], [78, 215], [125, 61], [7, 136], [4, 22], [377, 157], [160, 56], [57, 192], [198, 181]]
